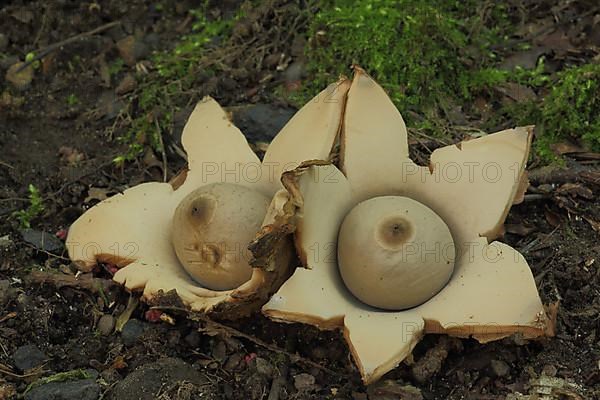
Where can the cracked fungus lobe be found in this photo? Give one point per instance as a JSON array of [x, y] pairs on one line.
[[491, 292], [133, 230]]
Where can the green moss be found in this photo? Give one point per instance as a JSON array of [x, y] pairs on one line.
[[572, 108], [35, 208], [569, 111], [72, 100], [73, 375], [425, 53], [166, 89]]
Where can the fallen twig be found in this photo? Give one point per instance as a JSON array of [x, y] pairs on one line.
[[162, 149], [216, 326], [534, 197], [83, 281], [43, 52], [48, 253], [6, 371], [560, 175]]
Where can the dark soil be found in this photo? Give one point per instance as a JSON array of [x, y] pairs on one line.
[[64, 149]]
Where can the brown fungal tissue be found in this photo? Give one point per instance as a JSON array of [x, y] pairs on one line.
[[392, 250]]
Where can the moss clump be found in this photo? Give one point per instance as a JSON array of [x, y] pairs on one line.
[[73, 375], [572, 108], [166, 89], [35, 208], [569, 111], [423, 52]]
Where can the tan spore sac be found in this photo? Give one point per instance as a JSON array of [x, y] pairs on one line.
[[394, 253], [212, 227]]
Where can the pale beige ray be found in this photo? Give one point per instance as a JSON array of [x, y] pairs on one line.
[[471, 185], [309, 135], [380, 340], [217, 150], [316, 295], [374, 145], [491, 293], [124, 227]]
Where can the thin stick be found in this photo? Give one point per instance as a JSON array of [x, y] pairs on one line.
[[162, 149], [234, 332], [43, 52], [15, 199], [9, 373], [47, 252], [535, 197], [6, 165]]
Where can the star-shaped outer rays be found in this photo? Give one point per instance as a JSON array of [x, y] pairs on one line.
[[491, 293], [133, 229]]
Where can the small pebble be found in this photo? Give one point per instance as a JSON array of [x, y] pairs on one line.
[[193, 339], [219, 351], [551, 370], [19, 80], [42, 240], [6, 292], [5, 242], [28, 357], [132, 331], [127, 84], [132, 50], [106, 324], [82, 389], [3, 42], [500, 368], [359, 396], [304, 382], [264, 367]]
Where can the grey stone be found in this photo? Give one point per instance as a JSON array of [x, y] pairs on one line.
[[304, 382], [20, 78], [3, 42], [193, 339], [132, 331], [108, 105], [7, 61], [106, 324], [6, 292], [131, 49], [83, 389], [393, 390], [28, 357], [42, 240], [127, 84], [5, 242], [261, 122], [264, 367], [147, 380], [219, 351], [500, 368]]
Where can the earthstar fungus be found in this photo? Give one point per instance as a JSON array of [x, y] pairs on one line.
[[228, 201], [416, 243]]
